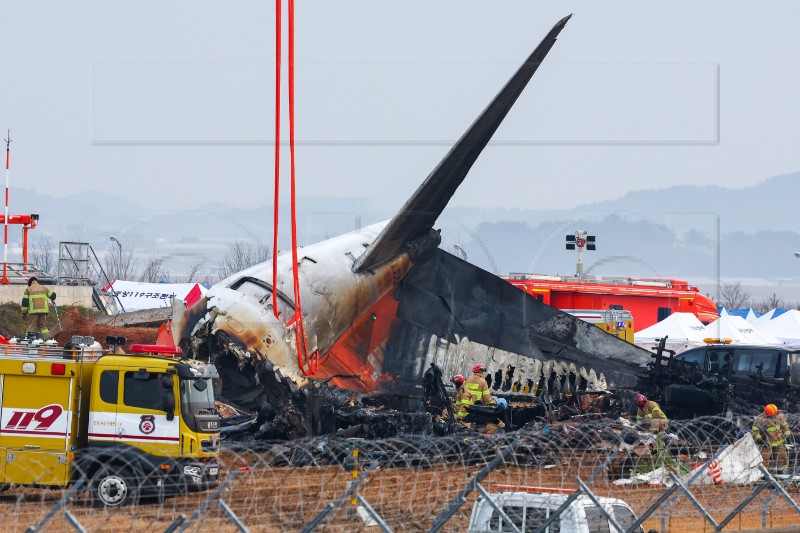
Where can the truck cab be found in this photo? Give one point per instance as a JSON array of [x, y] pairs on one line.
[[743, 362], [132, 424], [529, 507]]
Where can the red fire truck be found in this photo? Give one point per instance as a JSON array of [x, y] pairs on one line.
[[649, 300]]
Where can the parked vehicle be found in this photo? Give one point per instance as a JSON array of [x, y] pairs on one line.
[[722, 376], [649, 300], [529, 507], [132, 425]]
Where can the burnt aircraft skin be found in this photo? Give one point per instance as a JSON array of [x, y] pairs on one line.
[[342, 278]]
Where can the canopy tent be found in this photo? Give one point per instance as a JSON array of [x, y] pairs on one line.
[[136, 296], [785, 327], [749, 314], [769, 315], [683, 331], [738, 330]]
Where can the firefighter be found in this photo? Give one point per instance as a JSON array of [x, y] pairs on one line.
[[771, 431], [479, 392], [36, 302], [462, 398], [650, 415], [478, 387]]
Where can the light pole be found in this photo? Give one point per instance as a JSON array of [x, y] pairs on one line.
[[118, 263], [118, 244], [797, 254]]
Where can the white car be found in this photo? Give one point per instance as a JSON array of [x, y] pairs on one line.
[[529, 507]]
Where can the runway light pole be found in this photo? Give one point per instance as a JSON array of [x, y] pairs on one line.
[[4, 280]]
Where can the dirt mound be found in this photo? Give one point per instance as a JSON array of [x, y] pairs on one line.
[[72, 323]]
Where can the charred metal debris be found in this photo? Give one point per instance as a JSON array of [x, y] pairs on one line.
[[281, 410]]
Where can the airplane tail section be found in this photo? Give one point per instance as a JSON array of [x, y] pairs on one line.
[[420, 212]]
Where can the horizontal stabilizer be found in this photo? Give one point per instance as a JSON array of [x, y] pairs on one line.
[[420, 212]]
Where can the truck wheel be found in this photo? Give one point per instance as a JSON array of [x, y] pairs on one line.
[[114, 487]]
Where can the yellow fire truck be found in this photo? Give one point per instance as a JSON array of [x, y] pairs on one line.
[[131, 425]]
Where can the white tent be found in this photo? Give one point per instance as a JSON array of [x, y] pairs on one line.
[[785, 327], [738, 330], [683, 331], [769, 315], [748, 314]]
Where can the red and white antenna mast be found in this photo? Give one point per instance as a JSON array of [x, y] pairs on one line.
[[5, 281]]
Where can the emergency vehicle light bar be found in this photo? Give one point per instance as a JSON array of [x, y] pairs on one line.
[[712, 340]]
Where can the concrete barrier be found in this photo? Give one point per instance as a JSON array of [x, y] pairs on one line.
[[70, 295]]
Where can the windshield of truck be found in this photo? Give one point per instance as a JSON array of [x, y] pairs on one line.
[[697, 357], [194, 398]]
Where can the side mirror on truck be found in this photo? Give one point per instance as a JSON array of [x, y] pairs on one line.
[[167, 383]]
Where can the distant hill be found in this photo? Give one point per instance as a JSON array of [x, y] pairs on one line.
[[665, 232]]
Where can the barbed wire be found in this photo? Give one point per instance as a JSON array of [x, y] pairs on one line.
[[283, 486]]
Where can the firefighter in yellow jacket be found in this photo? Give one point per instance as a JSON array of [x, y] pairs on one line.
[[477, 387], [36, 302], [650, 415], [461, 400], [770, 431]]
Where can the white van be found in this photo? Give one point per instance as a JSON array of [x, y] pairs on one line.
[[529, 507]]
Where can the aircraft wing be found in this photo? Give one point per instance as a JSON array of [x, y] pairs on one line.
[[420, 212], [452, 298]]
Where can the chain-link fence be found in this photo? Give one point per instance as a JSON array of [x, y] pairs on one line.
[[711, 476]]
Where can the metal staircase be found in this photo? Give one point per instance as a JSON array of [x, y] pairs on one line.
[[78, 265]]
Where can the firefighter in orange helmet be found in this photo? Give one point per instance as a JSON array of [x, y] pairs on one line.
[[771, 431]]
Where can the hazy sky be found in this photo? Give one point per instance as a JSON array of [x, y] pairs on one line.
[[173, 101]]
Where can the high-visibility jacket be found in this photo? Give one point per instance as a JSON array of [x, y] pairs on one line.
[[773, 428], [652, 416], [461, 401], [36, 299], [479, 389]]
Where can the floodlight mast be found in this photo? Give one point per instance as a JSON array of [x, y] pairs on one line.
[[580, 240]]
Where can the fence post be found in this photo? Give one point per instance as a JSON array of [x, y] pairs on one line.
[[210, 499], [61, 503], [694, 501], [333, 505], [672, 500], [459, 500], [572, 497], [498, 508], [371, 512], [597, 504]]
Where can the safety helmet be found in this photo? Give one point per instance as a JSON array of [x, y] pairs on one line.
[[771, 410], [458, 380], [478, 368], [32, 279], [640, 400]]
